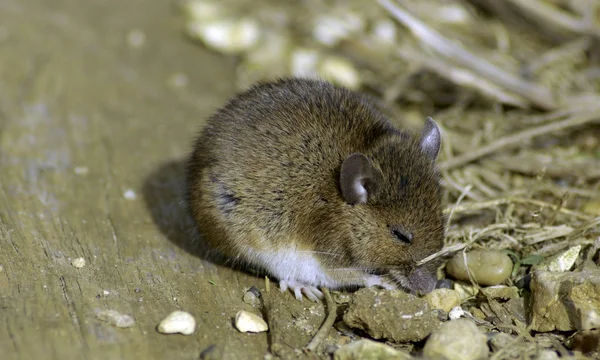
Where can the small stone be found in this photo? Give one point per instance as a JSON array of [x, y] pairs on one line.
[[488, 267], [248, 322], [563, 300], [115, 318], [78, 263], [561, 262], [444, 299], [1, 268], [465, 291], [105, 292], [250, 298], [501, 340], [457, 340], [391, 314], [516, 309], [477, 313], [178, 322], [130, 195], [369, 350], [501, 292], [546, 354], [457, 312]]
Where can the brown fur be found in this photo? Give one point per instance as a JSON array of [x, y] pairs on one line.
[[264, 175]]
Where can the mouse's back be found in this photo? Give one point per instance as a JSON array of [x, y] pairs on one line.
[[279, 143]]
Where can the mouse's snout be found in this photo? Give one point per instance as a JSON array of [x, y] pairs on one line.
[[423, 279]]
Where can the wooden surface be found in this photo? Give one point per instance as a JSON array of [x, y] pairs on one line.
[[75, 95]]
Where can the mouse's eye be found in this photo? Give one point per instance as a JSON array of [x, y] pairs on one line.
[[402, 235]]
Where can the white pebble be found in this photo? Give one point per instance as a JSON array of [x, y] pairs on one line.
[[456, 313], [457, 340], [1, 268], [340, 71], [105, 292], [178, 322], [248, 322], [136, 38], [78, 263], [229, 36], [130, 195], [115, 318]]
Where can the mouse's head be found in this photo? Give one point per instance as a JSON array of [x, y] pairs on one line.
[[395, 207]]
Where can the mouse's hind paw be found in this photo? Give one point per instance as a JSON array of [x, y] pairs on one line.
[[311, 292]]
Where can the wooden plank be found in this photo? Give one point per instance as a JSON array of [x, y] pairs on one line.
[[75, 96]]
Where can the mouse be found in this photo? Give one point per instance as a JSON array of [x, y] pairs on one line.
[[312, 183]]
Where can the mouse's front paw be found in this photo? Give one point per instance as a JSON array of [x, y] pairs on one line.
[[311, 292]]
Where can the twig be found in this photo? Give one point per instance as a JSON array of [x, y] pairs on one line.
[[561, 203], [518, 139], [558, 54], [494, 203], [443, 252], [548, 14], [458, 201], [538, 95], [327, 324], [463, 77]]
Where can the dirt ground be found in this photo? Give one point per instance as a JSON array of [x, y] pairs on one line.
[[92, 135]]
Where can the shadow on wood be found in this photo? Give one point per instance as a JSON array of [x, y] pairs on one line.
[[164, 195]]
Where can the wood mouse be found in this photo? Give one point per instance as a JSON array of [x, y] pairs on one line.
[[312, 183]]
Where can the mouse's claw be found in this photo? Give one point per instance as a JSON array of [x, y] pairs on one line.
[[311, 292]]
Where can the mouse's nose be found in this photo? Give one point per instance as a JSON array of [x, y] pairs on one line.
[[422, 279]]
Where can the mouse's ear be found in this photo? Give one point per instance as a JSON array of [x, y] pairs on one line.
[[359, 179], [431, 139]]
